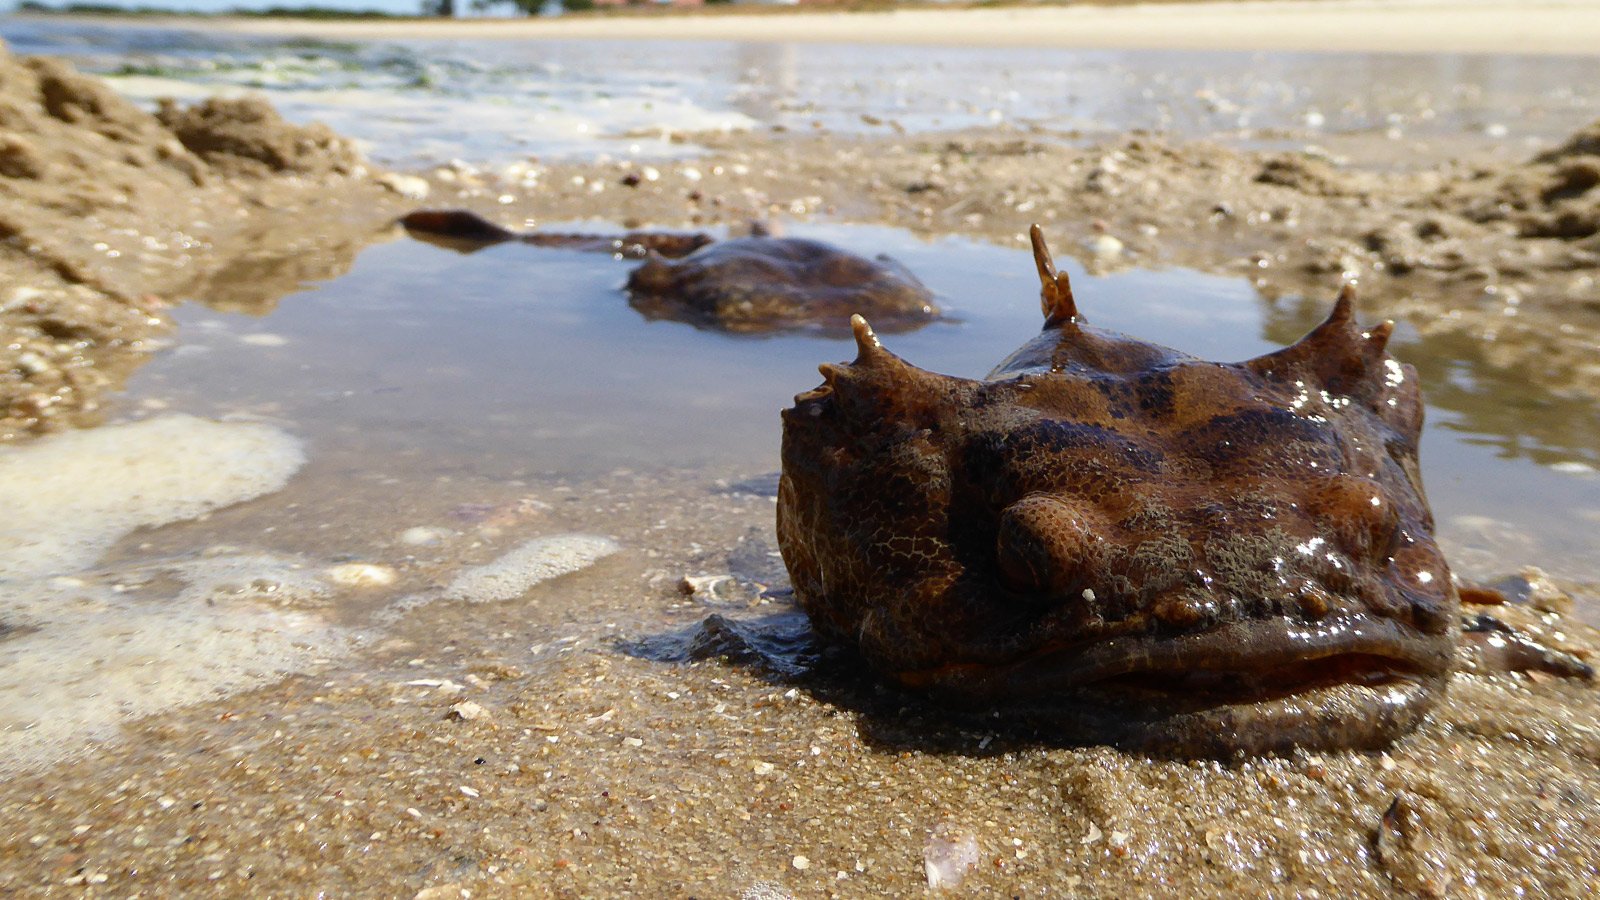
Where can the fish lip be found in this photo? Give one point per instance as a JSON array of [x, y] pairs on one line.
[[1360, 648]]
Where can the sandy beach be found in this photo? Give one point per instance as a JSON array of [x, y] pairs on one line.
[[432, 686], [1398, 26]]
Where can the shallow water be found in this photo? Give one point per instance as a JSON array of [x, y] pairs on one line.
[[519, 362], [450, 406], [426, 101]]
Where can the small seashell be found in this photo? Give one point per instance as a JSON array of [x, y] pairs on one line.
[[949, 856]]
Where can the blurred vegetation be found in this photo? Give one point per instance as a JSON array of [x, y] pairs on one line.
[[449, 8], [274, 12]]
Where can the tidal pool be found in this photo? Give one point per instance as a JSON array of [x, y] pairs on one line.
[[519, 361]]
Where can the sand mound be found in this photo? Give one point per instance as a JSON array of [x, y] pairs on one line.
[[1584, 142], [246, 136], [1556, 194], [106, 211]]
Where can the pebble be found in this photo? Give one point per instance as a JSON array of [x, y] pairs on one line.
[[20, 297], [1105, 247], [704, 585], [801, 863], [422, 536], [264, 339], [32, 363], [361, 575], [468, 711], [442, 892], [410, 187]]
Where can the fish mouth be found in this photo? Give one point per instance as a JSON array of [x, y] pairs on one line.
[[1243, 689], [1237, 663]]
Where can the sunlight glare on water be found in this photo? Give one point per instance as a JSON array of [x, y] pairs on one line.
[[424, 102]]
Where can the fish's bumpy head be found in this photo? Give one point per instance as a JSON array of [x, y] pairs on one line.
[[1100, 488], [864, 496]]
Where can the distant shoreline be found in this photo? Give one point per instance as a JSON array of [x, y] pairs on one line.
[[1399, 26]]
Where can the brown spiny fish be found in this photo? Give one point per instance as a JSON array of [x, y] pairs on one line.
[[1123, 543]]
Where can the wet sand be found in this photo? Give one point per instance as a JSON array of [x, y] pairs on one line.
[[580, 770], [1421, 26], [514, 749]]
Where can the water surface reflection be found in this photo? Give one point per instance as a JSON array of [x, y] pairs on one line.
[[424, 101], [521, 360]]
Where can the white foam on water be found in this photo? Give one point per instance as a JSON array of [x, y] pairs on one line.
[[153, 87], [414, 128], [227, 575], [87, 656], [80, 653], [69, 497], [538, 560]]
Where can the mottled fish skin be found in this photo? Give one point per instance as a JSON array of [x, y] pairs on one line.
[[754, 285], [762, 284], [467, 232], [1121, 543]]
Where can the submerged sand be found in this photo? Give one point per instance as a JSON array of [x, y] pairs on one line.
[[511, 749]]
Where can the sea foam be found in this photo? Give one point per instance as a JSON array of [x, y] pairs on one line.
[[69, 497], [80, 652]]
